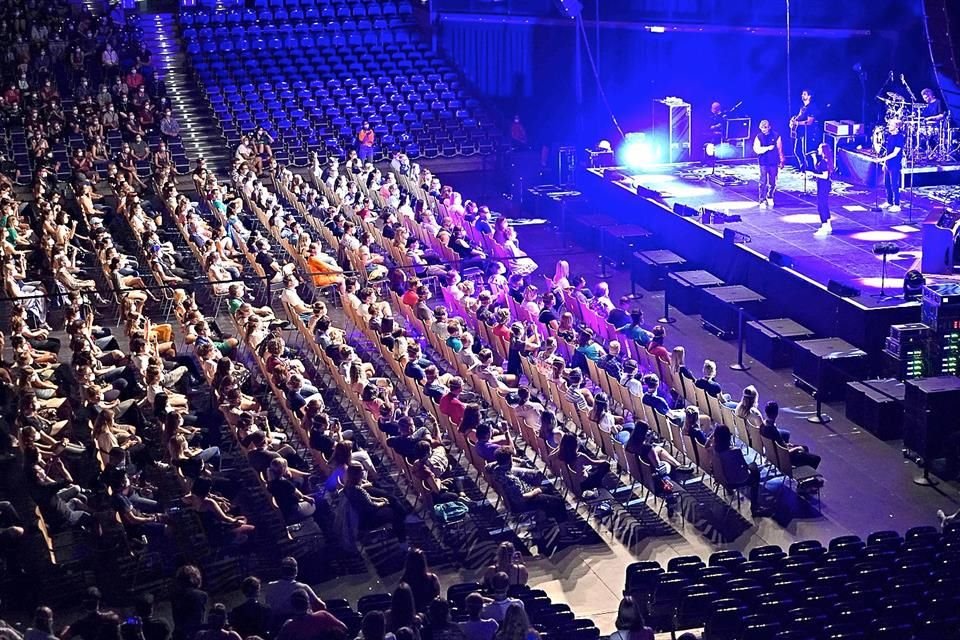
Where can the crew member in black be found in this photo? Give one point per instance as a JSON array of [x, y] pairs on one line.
[[769, 149], [892, 165], [803, 129], [717, 122], [822, 170]]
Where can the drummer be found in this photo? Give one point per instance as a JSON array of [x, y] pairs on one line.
[[933, 112]]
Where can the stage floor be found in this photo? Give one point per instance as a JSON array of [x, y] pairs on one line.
[[846, 255]]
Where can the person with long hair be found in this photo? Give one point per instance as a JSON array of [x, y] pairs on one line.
[[424, 584], [591, 471], [403, 611], [823, 169], [610, 423], [630, 623], [747, 407], [509, 561], [515, 625]]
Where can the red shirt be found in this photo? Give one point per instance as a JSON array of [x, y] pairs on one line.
[[452, 407], [319, 625], [366, 137], [410, 298]]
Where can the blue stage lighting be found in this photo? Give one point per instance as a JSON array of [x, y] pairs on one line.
[[638, 150]]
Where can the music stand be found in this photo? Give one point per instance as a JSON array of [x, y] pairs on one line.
[[737, 131]]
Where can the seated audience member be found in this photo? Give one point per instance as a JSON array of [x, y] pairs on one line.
[[655, 347], [372, 511], [747, 407], [477, 626], [521, 495], [708, 382], [653, 399], [589, 471], [251, 617], [277, 592], [304, 623], [800, 455], [509, 561], [610, 423], [496, 608], [630, 623], [734, 468]]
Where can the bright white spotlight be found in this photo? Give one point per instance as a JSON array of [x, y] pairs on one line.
[[638, 150]]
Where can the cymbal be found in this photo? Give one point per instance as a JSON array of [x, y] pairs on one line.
[[895, 96]]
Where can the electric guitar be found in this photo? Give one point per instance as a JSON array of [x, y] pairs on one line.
[[795, 122]]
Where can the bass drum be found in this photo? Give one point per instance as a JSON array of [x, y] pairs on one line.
[[878, 139]]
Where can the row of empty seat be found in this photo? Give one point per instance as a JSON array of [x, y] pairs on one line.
[[316, 100]]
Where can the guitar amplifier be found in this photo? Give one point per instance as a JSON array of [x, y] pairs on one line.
[[843, 128]]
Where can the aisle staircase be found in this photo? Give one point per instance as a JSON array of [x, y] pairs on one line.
[[200, 134]]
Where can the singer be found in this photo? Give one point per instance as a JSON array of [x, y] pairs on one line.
[[823, 167]]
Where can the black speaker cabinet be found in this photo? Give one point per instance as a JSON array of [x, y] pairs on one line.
[[684, 289], [826, 365], [720, 308], [650, 268], [932, 416], [772, 341]]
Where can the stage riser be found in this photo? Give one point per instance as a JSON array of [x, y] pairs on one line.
[[787, 293]]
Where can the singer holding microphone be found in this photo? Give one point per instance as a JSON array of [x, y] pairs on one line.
[[822, 171]]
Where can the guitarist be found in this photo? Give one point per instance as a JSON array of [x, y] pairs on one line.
[[800, 128]]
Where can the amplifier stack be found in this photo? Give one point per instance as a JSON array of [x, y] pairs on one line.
[[941, 313], [905, 350]]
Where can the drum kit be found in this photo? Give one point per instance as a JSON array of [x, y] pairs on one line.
[[926, 141]]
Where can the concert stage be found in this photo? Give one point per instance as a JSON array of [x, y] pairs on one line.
[[800, 291]]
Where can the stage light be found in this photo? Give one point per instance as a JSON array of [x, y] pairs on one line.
[[913, 285], [801, 218], [878, 236], [638, 150], [657, 29]]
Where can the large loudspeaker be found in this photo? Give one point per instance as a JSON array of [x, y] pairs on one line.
[[826, 365], [931, 417], [843, 289]]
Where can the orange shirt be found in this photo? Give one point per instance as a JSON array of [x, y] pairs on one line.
[[323, 274]]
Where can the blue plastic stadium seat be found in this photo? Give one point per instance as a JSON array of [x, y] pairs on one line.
[[296, 15], [389, 9]]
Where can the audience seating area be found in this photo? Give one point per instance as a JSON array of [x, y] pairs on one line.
[[887, 587], [312, 75]]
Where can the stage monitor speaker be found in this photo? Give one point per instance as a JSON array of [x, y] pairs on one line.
[[843, 289], [613, 175], [683, 210], [781, 259]]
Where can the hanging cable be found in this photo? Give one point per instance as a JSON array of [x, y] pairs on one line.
[[596, 75]]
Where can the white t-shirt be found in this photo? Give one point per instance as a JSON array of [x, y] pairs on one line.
[[498, 608]]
